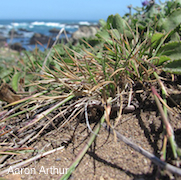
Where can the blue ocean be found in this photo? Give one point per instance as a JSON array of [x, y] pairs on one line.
[[27, 28]]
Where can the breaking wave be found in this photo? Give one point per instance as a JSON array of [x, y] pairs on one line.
[[50, 24]]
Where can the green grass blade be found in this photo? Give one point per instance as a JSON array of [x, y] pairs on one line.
[[83, 151]]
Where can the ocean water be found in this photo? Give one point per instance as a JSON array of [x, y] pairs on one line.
[[37, 26]]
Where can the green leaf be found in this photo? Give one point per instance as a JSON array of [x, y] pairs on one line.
[[119, 24], [156, 38], [152, 11], [102, 22], [173, 67], [161, 60], [175, 36], [5, 72], [110, 21], [142, 25], [15, 80], [104, 36], [171, 49], [115, 33], [178, 1], [171, 21]]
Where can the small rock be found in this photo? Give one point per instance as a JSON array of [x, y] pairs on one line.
[[14, 33], [24, 30], [129, 109], [84, 31], [37, 37], [17, 47], [54, 31]]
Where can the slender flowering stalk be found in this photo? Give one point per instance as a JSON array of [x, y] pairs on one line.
[[168, 127], [164, 95]]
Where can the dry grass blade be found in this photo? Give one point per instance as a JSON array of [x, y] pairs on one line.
[[102, 84], [26, 99], [45, 113]]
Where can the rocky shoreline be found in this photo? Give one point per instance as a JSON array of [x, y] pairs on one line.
[[83, 31]]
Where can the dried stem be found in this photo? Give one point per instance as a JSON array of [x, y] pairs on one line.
[[147, 154]]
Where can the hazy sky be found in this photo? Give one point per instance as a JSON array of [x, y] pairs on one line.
[[64, 9]]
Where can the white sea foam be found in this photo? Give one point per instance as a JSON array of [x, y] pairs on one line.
[[15, 24], [49, 24], [72, 26], [37, 23], [84, 23], [9, 27], [55, 24]]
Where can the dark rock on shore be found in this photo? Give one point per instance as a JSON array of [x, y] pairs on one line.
[[14, 33], [41, 38], [17, 47], [24, 30], [56, 31], [84, 31]]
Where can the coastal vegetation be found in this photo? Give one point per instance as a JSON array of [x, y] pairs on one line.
[[131, 59]]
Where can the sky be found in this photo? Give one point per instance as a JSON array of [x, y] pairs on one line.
[[64, 9]]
